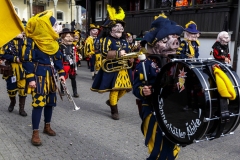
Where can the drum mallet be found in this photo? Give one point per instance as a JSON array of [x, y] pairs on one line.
[[142, 58]]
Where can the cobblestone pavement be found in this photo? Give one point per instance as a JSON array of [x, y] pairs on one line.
[[90, 133]]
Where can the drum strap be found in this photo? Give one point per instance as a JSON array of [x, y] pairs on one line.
[[224, 116], [224, 110], [223, 106], [210, 69]]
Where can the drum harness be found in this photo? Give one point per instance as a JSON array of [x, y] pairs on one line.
[[223, 104]]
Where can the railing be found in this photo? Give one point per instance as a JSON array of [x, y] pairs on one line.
[[189, 7]]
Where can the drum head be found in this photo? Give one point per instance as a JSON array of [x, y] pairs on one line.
[[183, 100]]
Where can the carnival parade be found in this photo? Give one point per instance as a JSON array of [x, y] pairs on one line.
[[112, 86]]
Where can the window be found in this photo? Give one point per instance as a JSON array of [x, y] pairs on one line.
[[99, 7], [99, 10], [59, 16], [146, 4]]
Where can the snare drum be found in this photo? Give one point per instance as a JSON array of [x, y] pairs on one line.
[[187, 104]]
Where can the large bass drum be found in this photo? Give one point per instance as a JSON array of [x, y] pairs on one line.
[[187, 104]]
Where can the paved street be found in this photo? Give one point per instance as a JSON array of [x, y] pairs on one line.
[[90, 133]]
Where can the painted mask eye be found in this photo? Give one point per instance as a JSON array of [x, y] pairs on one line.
[[165, 40]]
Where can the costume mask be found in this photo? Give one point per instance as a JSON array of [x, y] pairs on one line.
[[94, 32], [76, 38], [223, 38], [167, 45], [68, 39], [21, 35], [191, 36], [130, 39], [57, 28], [117, 30]]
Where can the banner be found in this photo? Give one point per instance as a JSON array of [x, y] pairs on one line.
[[10, 25]]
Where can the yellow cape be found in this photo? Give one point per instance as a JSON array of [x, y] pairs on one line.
[[40, 29]]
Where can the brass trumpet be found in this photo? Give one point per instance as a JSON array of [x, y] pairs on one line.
[[69, 97], [121, 63]]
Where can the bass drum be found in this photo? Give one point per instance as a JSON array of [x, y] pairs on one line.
[[187, 104]]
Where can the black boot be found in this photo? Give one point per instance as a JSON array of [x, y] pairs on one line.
[[21, 106], [114, 110], [61, 90], [12, 104], [74, 87]]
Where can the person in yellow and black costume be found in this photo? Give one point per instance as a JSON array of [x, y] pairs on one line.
[[89, 48], [12, 53], [189, 47], [77, 44], [162, 34], [114, 46], [41, 59]]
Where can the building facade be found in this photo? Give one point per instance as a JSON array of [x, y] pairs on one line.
[[65, 11]]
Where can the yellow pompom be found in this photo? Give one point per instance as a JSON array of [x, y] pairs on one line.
[[160, 15], [191, 22]]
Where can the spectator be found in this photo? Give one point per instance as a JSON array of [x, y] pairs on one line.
[[24, 22]]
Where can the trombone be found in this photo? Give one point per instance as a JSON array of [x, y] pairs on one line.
[[69, 97]]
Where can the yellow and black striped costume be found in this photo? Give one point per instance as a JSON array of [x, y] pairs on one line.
[[39, 69], [11, 52], [159, 147], [118, 82]]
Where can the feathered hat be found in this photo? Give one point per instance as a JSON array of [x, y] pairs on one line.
[[161, 27], [114, 17], [191, 27]]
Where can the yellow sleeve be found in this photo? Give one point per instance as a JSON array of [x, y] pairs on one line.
[[89, 47]]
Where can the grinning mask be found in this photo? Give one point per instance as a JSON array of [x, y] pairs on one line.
[[223, 38], [117, 30], [94, 32]]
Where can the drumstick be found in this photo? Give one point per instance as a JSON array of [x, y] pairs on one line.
[[141, 58]]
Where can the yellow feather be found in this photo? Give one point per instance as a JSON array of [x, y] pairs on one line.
[[120, 15], [160, 15], [111, 12], [191, 22]]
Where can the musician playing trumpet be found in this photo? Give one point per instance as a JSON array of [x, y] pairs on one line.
[[69, 58], [114, 46]]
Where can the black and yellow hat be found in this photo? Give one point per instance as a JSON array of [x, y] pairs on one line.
[[93, 26]]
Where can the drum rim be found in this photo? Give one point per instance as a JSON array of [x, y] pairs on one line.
[[205, 126]]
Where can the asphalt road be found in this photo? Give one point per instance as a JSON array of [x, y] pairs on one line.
[[90, 133]]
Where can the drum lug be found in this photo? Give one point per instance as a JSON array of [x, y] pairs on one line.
[[209, 119], [232, 114]]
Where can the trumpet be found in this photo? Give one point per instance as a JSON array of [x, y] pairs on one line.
[[69, 97], [121, 63]]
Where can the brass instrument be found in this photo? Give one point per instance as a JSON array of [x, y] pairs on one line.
[[69, 97], [121, 63]]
